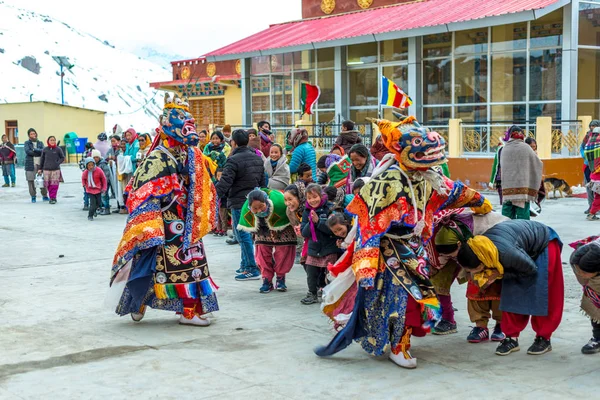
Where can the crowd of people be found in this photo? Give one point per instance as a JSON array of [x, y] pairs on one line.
[[382, 232]]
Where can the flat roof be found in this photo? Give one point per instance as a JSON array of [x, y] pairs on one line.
[[51, 103]]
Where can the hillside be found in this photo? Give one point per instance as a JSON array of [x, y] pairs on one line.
[[103, 77]]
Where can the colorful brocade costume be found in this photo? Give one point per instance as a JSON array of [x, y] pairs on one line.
[[160, 261], [393, 215]]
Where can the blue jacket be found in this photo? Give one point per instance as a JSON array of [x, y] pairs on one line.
[[304, 153], [132, 150]]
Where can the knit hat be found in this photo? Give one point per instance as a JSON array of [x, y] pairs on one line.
[[227, 128], [89, 160], [96, 153], [446, 236], [102, 137]]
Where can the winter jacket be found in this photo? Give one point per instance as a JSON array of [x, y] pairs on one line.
[[7, 153], [348, 139], [103, 165], [113, 154], [51, 158], [326, 243], [131, 150], [99, 180], [32, 149], [279, 178], [243, 172], [209, 147], [519, 243], [304, 153]]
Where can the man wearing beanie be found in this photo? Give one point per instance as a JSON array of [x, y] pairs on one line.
[[242, 173]]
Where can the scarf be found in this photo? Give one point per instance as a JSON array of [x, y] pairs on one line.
[[487, 252], [521, 172], [90, 178], [52, 146], [264, 137], [591, 152], [219, 148], [134, 135], [313, 231]]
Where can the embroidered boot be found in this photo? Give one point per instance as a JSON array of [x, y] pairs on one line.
[[400, 355], [138, 316], [190, 317]]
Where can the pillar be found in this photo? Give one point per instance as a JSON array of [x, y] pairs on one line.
[[543, 136], [455, 138], [414, 77], [341, 84], [246, 93], [569, 60]]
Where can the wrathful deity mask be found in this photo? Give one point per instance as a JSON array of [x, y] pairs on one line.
[[177, 122]]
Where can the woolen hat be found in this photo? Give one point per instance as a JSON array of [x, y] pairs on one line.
[[96, 153]]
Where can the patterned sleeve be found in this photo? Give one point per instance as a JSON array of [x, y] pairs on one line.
[[461, 196]]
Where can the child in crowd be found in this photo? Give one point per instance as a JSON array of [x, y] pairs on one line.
[[264, 215], [222, 221], [294, 202], [277, 169], [337, 150], [585, 262], [358, 184], [322, 177], [254, 142], [103, 165], [94, 184], [305, 174], [322, 247]]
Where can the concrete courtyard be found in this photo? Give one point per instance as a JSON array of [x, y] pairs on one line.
[[58, 341]]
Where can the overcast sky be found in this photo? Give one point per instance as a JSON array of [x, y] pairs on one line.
[[188, 28]]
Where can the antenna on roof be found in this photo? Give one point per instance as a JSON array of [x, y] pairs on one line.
[[64, 63]]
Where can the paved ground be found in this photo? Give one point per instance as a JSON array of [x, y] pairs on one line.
[[57, 340]]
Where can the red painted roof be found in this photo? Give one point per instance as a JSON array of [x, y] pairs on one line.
[[401, 17]]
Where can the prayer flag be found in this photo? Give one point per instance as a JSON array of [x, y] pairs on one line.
[[309, 96], [392, 95]]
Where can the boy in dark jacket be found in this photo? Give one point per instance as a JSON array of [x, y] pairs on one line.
[[8, 159], [242, 172], [348, 137], [322, 243]]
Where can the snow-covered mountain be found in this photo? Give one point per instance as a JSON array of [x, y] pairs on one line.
[[103, 77]]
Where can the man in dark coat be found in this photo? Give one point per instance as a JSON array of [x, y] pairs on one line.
[[242, 173], [33, 153]]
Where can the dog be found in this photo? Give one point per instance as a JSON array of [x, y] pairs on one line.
[[554, 184]]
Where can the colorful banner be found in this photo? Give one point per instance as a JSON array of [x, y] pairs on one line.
[[392, 95], [309, 96]]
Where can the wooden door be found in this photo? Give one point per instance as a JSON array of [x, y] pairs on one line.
[[208, 112], [11, 129]]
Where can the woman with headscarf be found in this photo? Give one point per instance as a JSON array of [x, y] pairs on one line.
[[102, 145], [202, 141], [145, 143], [131, 149], [52, 157], [264, 214], [362, 164], [302, 151]]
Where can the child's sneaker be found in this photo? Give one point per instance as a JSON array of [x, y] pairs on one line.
[[498, 335], [281, 285], [478, 335], [311, 298], [267, 286], [249, 275], [444, 328], [33, 199], [507, 346], [46, 198], [592, 347], [539, 346]]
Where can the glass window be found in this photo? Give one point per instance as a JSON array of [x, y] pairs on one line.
[[509, 37], [282, 93], [437, 81], [436, 115], [299, 79], [261, 89], [303, 60], [363, 87], [509, 113], [472, 113], [325, 58], [327, 86], [326, 117], [545, 74], [588, 74], [261, 117], [394, 50], [589, 24], [282, 119], [470, 82], [364, 53], [437, 45], [547, 31], [398, 74], [359, 116], [591, 109], [545, 110], [509, 77], [471, 41], [260, 65]]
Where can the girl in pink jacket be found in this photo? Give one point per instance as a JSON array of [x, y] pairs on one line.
[[94, 184]]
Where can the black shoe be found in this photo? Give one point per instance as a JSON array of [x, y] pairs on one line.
[[586, 212], [507, 346], [444, 328], [539, 346], [231, 241], [593, 346]]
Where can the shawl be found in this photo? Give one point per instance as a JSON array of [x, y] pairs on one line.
[[313, 231], [521, 172], [277, 220], [265, 138], [158, 178], [279, 176], [338, 171], [591, 152]]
